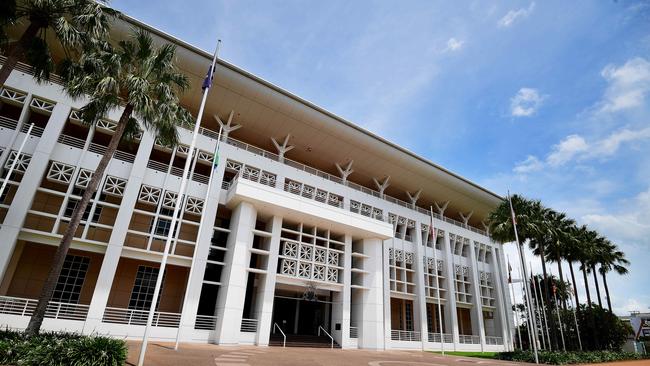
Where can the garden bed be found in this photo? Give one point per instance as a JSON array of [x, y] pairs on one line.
[[565, 358]]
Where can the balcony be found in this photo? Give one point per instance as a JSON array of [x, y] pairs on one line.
[[404, 335], [435, 337], [139, 317], [55, 310]]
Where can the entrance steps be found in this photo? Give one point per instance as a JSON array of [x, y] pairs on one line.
[[297, 340]]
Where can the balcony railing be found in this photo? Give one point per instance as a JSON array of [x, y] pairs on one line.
[[333, 178], [435, 337], [404, 335], [248, 325], [205, 322], [55, 310], [200, 178], [28, 70], [354, 332], [469, 339], [36, 130], [139, 317], [72, 141], [493, 340], [8, 123], [155, 165]]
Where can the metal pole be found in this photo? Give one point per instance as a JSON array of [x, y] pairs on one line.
[[435, 261], [15, 162], [215, 158], [523, 267], [575, 319], [512, 289], [530, 328], [537, 311], [559, 319], [177, 208], [543, 316]]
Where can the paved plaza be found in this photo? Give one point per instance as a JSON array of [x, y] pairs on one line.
[[163, 354]]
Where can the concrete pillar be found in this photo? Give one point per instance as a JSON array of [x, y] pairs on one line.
[[204, 241], [387, 245], [232, 294], [420, 300], [341, 300], [371, 327], [266, 291], [22, 201], [477, 322], [118, 235], [450, 273]]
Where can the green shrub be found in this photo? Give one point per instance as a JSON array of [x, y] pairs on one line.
[[57, 348], [564, 358]]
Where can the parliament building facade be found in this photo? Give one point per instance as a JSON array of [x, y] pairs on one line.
[[312, 225]]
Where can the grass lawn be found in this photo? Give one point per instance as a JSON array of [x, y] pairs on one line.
[[490, 355]]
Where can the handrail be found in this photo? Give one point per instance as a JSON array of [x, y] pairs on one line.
[[331, 338], [284, 342]]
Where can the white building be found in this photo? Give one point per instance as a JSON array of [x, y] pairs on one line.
[[314, 223]]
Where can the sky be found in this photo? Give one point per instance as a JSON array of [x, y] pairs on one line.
[[549, 99]]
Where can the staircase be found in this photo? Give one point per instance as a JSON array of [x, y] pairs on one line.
[[296, 340]]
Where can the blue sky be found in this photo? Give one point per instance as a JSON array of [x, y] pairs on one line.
[[546, 98]]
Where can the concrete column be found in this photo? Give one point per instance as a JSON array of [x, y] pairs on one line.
[[22, 201], [503, 302], [421, 300], [204, 241], [341, 300], [266, 292], [476, 285], [371, 327], [116, 241], [232, 294], [387, 245], [450, 273]]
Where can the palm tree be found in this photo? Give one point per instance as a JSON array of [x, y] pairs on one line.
[[500, 220], [587, 238], [72, 22], [599, 251], [142, 79], [572, 253], [559, 243], [613, 259]]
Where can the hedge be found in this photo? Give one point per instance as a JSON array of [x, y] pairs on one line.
[[58, 348], [563, 358]]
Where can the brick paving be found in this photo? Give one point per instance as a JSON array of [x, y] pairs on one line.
[[163, 354]]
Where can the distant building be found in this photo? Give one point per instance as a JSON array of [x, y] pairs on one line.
[[314, 223]]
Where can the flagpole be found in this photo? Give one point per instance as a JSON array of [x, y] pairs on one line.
[[526, 285], [215, 162], [15, 162], [526, 306], [177, 208], [542, 313], [557, 309], [435, 261], [575, 319], [514, 300]]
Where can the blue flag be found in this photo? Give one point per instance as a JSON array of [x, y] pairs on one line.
[[207, 82]]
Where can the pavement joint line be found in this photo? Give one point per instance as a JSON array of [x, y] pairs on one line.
[[229, 364]]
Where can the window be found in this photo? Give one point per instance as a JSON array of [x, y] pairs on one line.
[[162, 227], [71, 279], [408, 309], [72, 205], [145, 283]]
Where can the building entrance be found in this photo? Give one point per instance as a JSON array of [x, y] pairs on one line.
[[301, 317]]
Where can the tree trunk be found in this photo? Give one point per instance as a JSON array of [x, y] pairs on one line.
[[609, 301], [593, 269], [584, 274], [561, 274], [61, 252], [549, 314], [17, 51], [575, 288]]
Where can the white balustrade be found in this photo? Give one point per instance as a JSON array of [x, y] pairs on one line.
[[404, 335], [139, 317], [248, 325]]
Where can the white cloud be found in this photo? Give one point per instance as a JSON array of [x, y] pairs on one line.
[[567, 149], [531, 164], [526, 102], [575, 147], [453, 45], [514, 16], [628, 85], [630, 224]]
